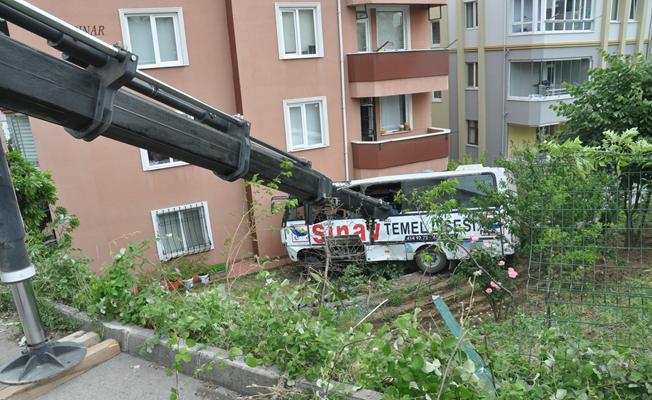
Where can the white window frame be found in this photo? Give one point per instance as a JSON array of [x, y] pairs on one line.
[[367, 27], [406, 26], [319, 41], [144, 159], [159, 245], [472, 85], [633, 9], [179, 30], [614, 3], [475, 22], [539, 18], [288, 129], [436, 99], [432, 38], [408, 112]]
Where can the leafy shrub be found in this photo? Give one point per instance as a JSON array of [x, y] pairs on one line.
[[489, 274], [62, 274], [573, 367], [115, 295], [35, 191]]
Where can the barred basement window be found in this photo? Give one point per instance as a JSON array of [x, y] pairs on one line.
[[182, 230]]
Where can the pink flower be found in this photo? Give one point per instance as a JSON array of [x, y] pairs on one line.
[[474, 239], [511, 272], [501, 263], [486, 245], [488, 290], [494, 285]]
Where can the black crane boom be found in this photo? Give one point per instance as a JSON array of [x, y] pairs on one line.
[[86, 92]]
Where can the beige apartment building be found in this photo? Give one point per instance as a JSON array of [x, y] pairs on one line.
[[347, 84], [510, 61]]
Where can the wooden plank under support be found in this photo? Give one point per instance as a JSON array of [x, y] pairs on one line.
[[96, 354]]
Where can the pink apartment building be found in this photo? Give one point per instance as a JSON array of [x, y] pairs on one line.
[[347, 84]]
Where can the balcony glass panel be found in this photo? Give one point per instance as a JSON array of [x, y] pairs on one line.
[[540, 79], [551, 15], [391, 30]]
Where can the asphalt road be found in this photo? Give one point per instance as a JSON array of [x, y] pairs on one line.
[[123, 377]]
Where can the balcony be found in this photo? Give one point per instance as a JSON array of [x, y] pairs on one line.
[[405, 154], [397, 72], [397, 2]]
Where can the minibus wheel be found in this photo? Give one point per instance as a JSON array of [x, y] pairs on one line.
[[430, 260]]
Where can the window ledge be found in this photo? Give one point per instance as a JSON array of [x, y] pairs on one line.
[[517, 34], [302, 57], [475, 28], [475, 146], [540, 99], [437, 100], [319, 146], [168, 257], [165, 166], [474, 89], [155, 66]]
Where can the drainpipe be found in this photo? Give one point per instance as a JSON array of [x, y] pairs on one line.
[[345, 128], [624, 21], [649, 42], [604, 35], [640, 30], [503, 128]]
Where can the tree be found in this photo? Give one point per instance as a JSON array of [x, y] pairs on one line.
[[616, 98], [35, 191]]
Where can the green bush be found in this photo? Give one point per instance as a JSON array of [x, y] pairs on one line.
[[35, 191]]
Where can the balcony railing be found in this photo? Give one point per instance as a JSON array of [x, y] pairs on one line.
[[391, 65], [429, 144]]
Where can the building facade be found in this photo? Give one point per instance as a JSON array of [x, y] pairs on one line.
[[509, 62], [347, 84]]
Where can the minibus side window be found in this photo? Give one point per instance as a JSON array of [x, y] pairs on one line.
[[296, 213], [468, 187], [386, 192], [472, 186]]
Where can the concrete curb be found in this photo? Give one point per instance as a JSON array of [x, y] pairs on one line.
[[234, 375]]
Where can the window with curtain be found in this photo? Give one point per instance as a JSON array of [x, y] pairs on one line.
[[395, 113], [305, 122], [551, 15], [182, 230], [156, 37], [299, 31], [391, 29], [471, 12], [540, 79]]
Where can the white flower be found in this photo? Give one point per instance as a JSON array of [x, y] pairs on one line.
[[477, 273]]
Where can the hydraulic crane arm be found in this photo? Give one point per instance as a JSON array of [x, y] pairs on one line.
[[87, 94], [96, 90]]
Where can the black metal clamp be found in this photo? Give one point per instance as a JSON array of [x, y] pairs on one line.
[[113, 75], [243, 134]]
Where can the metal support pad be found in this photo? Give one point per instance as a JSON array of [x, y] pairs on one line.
[[42, 363]]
